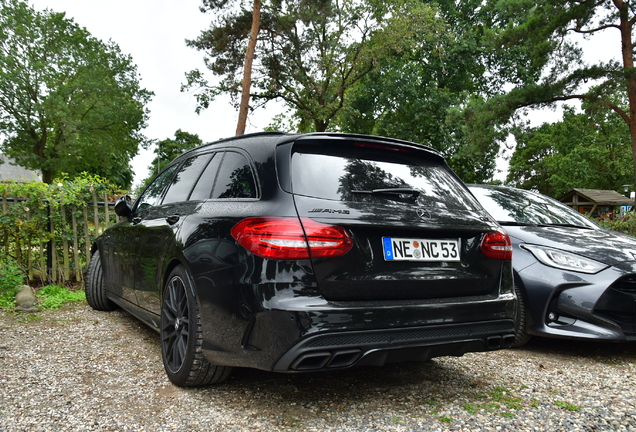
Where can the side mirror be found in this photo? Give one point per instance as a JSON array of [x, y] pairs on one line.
[[123, 206]]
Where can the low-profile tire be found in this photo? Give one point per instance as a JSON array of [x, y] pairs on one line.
[[181, 336], [94, 286], [521, 334]]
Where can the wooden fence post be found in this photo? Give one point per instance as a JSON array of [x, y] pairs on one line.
[[87, 240], [107, 218], [75, 244], [95, 214], [66, 264], [6, 234], [51, 259]]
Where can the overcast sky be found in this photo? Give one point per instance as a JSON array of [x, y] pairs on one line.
[[153, 32]]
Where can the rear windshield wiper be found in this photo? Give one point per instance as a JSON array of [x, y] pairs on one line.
[[396, 194], [516, 223], [566, 225]]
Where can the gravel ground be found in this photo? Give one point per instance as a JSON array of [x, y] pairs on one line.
[[77, 369]]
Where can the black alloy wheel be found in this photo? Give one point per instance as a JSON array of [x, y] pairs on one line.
[[181, 336]]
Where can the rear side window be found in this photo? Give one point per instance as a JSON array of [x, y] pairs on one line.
[[362, 173], [186, 177], [235, 178], [228, 175]]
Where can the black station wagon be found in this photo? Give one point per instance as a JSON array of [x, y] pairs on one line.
[[306, 252]]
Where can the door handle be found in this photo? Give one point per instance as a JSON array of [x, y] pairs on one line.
[[172, 219], [136, 220]]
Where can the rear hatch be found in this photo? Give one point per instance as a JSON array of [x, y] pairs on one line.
[[415, 231]]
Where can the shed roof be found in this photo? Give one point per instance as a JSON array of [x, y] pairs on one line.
[[584, 197], [10, 171]]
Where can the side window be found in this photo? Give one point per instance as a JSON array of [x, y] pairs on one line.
[[185, 179], [203, 189], [235, 178], [152, 194]]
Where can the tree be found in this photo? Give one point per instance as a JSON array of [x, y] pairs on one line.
[[309, 53], [246, 83], [68, 102], [587, 150], [543, 63], [168, 149], [414, 93]]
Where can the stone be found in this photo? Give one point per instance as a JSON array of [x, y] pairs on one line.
[[25, 300]]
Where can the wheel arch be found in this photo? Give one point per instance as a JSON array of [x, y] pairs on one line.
[[172, 264], [525, 300]]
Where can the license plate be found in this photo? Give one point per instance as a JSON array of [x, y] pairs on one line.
[[404, 249]]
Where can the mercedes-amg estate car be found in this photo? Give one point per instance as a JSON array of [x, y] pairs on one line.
[[574, 279], [306, 252]]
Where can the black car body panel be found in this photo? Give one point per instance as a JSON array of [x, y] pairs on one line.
[[562, 302], [313, 312]]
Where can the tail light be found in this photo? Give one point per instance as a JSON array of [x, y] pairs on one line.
[[291, 238], [497, 245]]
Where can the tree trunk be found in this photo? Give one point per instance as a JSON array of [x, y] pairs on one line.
[[47, 176], [247, 68], [627, 52]]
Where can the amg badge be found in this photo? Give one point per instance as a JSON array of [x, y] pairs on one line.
[[327, 210]]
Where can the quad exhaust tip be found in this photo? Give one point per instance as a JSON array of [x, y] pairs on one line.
[[326, 359], [500, 342]]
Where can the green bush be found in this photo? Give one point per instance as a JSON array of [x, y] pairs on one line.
[[32, 214], [11, 279], [625, 224]]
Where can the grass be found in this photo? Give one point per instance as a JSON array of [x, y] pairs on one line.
[[54, 296], [497, 401], [7, 300], [49, 297], [567, 406]]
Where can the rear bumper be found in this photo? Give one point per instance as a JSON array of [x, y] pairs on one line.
[[316, 335], [377, 347]]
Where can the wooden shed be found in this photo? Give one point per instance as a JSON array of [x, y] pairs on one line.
[[595, 202]]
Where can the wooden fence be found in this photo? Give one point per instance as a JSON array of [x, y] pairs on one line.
[[52, 241]]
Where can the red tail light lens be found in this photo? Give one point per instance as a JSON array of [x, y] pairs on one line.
[[497, 245], [291, 238]]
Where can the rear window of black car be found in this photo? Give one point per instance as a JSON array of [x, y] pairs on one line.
[[350, 172]]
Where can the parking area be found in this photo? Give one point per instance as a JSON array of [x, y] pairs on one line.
[[79, 369]]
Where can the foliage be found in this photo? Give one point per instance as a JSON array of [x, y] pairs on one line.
[[415, 92], [567, 406], [541, 63], [310, 52], [169, 149], [583, 150], [68, 102], [29, 210], [625, 224], [55, 296], [11, 279]]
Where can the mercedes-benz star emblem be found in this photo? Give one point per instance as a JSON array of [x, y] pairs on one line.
[[422, 213]]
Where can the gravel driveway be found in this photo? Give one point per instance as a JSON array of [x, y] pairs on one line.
[[77, 369]]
